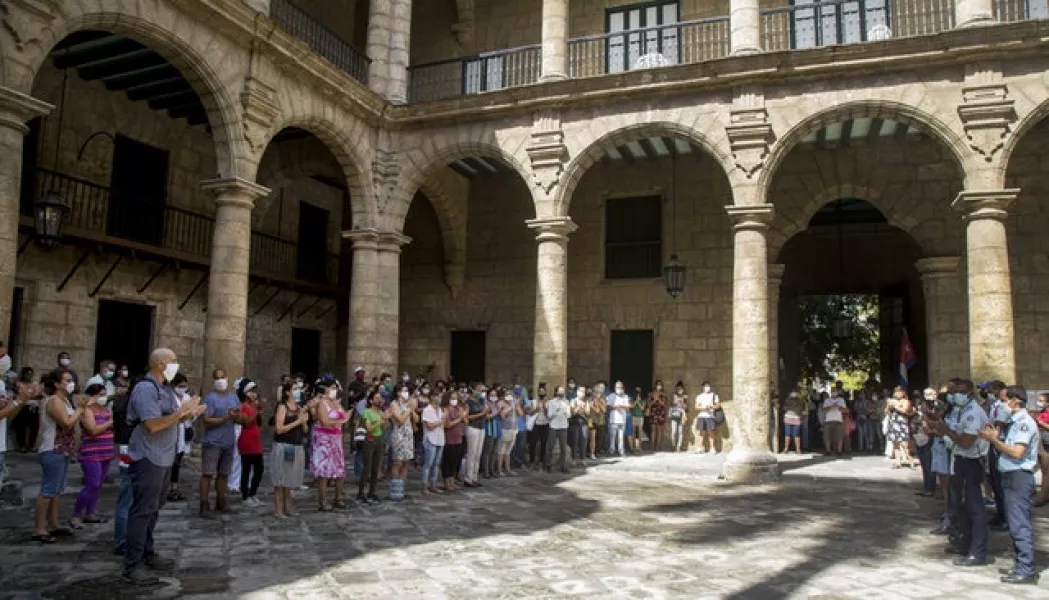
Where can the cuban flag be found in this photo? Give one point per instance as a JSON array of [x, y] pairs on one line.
[[907, 358]]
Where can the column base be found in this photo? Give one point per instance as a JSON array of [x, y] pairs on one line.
[[978, 21], [750, 467], [553, 77], [745, 51]]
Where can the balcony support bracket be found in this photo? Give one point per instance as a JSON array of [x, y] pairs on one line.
[[310, 307], [24, 245], [193, 292], [105, 278], [334, 303], [76, 267], [163, 267], [267, 302], [287, 311]]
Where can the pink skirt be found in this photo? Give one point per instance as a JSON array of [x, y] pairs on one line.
[[326, 458]]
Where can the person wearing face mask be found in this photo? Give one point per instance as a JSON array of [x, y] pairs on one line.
[[105, 377], [26, 423], [11, 404], [96, 450], [402, 440], [557, 410], [65, 361], [579, 413], [998, 412], [374, 420], [707, 403], [122, 380], [540, 433], [657, 416], [59, 416], [1017, 460], [328, 461], [492, 432], [618, 405], [508, 409], [182, 440], [153, 415], [678, 416], [963, 431], [220, 438], [1043, 459], [454, 425]]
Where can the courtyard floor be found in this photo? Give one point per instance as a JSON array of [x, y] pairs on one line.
[[645, 527]]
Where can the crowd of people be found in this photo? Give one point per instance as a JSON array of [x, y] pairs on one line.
[[977, 446]]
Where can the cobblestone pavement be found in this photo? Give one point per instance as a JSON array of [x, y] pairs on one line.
[[838, 529]]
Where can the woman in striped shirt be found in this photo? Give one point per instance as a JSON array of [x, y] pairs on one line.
[[96, 451]]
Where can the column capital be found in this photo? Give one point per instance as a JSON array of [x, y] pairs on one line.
[[938, 266], [16, 108], [755, 216], [234, 191], [985, 204], [392, 241], [552, 228], [370, 238]]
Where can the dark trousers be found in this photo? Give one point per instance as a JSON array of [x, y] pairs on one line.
[[560, 437], [996, 485], [971, 516], [601, 442], [517, 455], [372, 453], [149, 484], [26, 424], [487, 468], [538, 443], [925, 458], [176, 467], [577, 439], [1018, 492], [250, 474], [451, 460]]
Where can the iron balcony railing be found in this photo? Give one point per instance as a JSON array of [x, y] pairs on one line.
[[830, 22], [96, 208], [673, 44], [322, 40], [1009, 11], [469, 75]]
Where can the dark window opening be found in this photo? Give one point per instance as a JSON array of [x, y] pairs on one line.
[[468, 356], [633, 237], [306, 352], [313, 244], [123, 334], [632, 360], [138, 191]]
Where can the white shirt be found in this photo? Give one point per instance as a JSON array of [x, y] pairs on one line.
[[557, 411], [616, 417], [180, 444], [833, 407], [705, 405], [433, 415]]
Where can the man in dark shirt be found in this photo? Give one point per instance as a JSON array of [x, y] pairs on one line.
[[153, 414]]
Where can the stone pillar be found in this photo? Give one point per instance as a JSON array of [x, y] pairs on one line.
[[973, 12], [745, 26], [775, 275], [400, 52], [555, 40], [226, 320], [551, 299], [374, 300], [944, 317], [380, 24], [992, 344], [15, 109], [750, 460]]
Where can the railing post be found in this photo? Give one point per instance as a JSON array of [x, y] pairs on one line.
[[970, 13], [745, 26], [555, 40]]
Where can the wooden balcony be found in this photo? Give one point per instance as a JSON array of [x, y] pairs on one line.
[[124, 223]]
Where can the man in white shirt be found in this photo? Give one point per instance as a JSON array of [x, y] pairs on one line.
[[834, 424], [618, 405], [106, 371], [707, 403], [557, 411]]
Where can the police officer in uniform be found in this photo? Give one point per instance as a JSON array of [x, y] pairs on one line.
[[1017, 461], [998, 412], [967, 450]]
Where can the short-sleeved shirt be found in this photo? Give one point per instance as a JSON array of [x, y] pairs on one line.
[[250, 439], [834, 407], [616, 417], [453, 435], [1023, 430], [971, 419], [509, 422], [476, 407], [219, 405], [436, 435], [149, 400], [705, 405], [373, 417]]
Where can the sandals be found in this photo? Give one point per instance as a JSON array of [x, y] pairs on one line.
[[175, 496], [61, 532], [71, 524], [43, 539], [95, 520]]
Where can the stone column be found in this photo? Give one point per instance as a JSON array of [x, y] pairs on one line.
[[944, 317], [226, 320], [15, 109], [775, 275], [973, 12], [400, 52], [992, 344], [374, 300], [750, 460], [745, 26], [555, 40], [551, 299], [380, 23]]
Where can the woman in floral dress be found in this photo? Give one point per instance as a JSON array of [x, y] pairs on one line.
[[327, 462], [657, 415], [402, 441]]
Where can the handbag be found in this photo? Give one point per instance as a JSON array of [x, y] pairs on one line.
[[719, 414], [289, 452]]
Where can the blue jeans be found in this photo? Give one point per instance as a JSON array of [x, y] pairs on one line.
[[615, 438], [358, 463], [149, 485], [122, 510], [431, 463], [517, 456]]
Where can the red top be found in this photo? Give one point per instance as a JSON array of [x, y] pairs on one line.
[[1043, 417], [250, 440]]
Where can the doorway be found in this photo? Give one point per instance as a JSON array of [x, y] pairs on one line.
[[138, 191], [313, 244], [306, 352], [632, 359], [468, 356], [124, 334]]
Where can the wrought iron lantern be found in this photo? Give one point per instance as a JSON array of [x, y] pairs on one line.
[[50, 213], [674, 276]]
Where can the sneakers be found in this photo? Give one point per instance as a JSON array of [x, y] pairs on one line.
[[139, 576], [252, 501]]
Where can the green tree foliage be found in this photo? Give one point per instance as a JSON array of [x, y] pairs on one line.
[[824, 354]]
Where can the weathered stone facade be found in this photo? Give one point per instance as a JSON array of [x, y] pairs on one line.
[[520, 253]]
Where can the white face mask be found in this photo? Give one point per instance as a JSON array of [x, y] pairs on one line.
[[65, 362], [332, 392], [181, 392], [405, 394], [170, 371], [619, 390], [124, 373], [221, 384], [453, 402], [100, 400], [580, 393], [706, 389], [70, 387]]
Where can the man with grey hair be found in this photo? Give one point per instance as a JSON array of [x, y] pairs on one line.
[[153, 415]]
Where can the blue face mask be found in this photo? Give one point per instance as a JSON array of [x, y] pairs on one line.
[[296, 394]]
